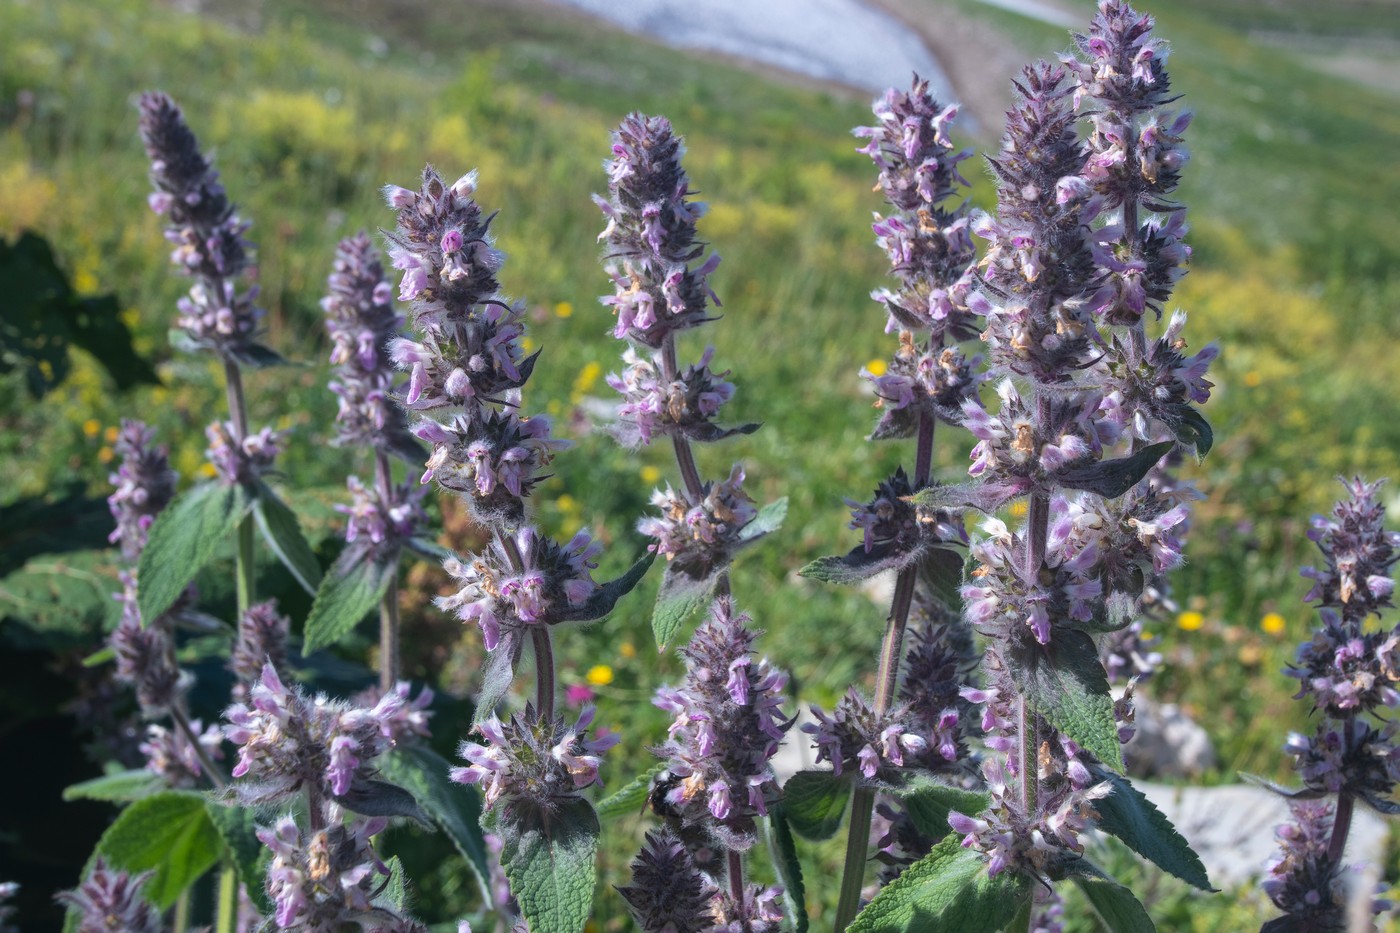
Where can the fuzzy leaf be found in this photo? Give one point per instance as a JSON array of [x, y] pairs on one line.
[[1130, 816], [257, 356], [57, 602], [706, 433], [928, 803], [1195, 431], [814, 802], [119, 787], [946, 891], [170, 832], [100, 657], [605, 598], [549, 860], [380, 798], [984, 497], [455, 808], [395, 894], [941, 575], [1117, 907], [349, 591], [1065, 682], [430, 549], [497, 674], [680, 597], [632, 797], [858, 565], [282, 533], [1112, 478], [768, 520], [183, 539], [237, 831], [783, 853]]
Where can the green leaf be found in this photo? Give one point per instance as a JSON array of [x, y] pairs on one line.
[[1195, 431], [1065, 682], [783, 853], [380, 798], [497, 674], [183, 539], [455, 808], [941, 576], [281, 531], [170, 832], [631, 798], [395, 894], [1117, 907], [768, 520], [60, 601], [100, 657], [237, 829], [928, 804], [814, 803], [680, 597], [120, 787], [349, 591], [946, 891], [1112, 478], [549, 860], [606, 596], [1130, 816]]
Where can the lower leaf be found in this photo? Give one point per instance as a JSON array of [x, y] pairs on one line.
[[549, 859], [946, 891]]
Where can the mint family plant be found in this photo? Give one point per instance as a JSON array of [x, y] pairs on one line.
[[973, 783]]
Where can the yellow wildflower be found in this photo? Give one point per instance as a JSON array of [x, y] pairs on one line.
[[564, 309], [876, 367], [650, 474], [91, 427], [627, 650], [1190, 621], [599, 675], [1273, 623]]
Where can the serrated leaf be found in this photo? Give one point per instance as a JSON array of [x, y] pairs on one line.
[[395, 894], [497, 674], [350, 590], [1130, 816], [170, 832], [680, 597], [783, 852], [1112, 478], [941, 575], [1195, 431], [1117, 907], [455, 808], [814, 803], [631, 797], [380, 798], [121, 787], [768, 520], [237, 831], [928, 804], [858, 565], [984, 497], [183, 539], [549, 860], [1065, 682], [946, 891], [606, 596], [282, 532], [59, 601]]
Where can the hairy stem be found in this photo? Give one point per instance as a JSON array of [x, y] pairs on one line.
[[1341, 826], [544, 672], [389, 605], [1026, 763], [244, 571], [226, 912], [685, 455], [736, 876], [857, 842]]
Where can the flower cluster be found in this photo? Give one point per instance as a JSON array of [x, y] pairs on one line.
[[206, 232], [361, 322], [170, 753], [327, 879], [262, 641], [144, 485], [668, 892], [379, 524], [655, 406], [493, 459], [532, 761], [522, 580], [289, 741], [145, 655], [728, 724], [694, 537], [110, 900], [1304, 881], [855, 738], [241, 461]]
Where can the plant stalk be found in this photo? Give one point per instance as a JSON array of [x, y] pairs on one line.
[[226, 914], [389, 605], [857, 841], [245, 585], [544, 671], [182, 722]]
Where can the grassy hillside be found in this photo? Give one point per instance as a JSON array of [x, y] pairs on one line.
[[312, 106]]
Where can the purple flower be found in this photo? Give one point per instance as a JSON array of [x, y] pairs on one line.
[[262, 640], [170, 754], [378, 525], [668, 893], [728, 724], [1358, 555], [110, 900], [206, 232], [466, 366], [1304, 881], [494, 459], [758, 910], [325, 879], [698, 537], [523, 580], [145, 655], [241, 463], [855, 738], [289, 741], [531, 760], [653, 406], [144, 483], [934, 383]]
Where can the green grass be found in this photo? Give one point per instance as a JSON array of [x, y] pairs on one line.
[[1288, 189]]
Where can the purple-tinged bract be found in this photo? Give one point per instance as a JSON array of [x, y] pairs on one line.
[[532, 762], [144, 483], [109, 900]]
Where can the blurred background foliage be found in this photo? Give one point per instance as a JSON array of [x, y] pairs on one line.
[[311, 105]]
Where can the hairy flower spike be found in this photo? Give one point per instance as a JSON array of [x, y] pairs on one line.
[[728, 724], [378, 525], [854, 738], [1304, 881], [493, 459], [685, 406], [668, 894], [170, 754], [144, 483], [241, 463], [206, 233], [262, 640], [699, 537]]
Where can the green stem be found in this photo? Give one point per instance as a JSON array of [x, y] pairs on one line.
[[238, 416], [246, 582], [226, 916], [857, 842], [389, 605], [182, 912]]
